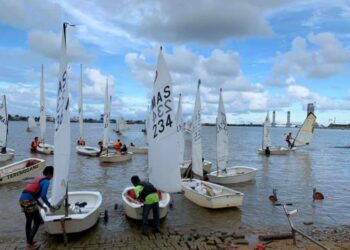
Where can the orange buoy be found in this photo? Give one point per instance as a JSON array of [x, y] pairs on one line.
[[273, 197], [317, 195]]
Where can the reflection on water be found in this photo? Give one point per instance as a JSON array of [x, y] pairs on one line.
[[294, 176]]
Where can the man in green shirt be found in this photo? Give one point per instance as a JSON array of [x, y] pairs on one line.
[[147, 194]]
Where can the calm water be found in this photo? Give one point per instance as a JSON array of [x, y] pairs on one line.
[[318, 165]]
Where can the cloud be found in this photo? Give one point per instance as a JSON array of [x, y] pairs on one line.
[[95, 84], [318, 56], [48, 44], [30, 14], [141, 23]]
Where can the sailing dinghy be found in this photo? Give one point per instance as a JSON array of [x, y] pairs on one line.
[[79, 210], [184, 165], [266, 141], [20, 170], [83, 149], [31, 124], [196, 165], [43, 148], [109, 157], [200, 192], [305, 132], [163, 160], [223, 174], [5, 153]]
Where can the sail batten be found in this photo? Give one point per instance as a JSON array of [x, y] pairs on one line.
[[3, 122], [305, 132], [196, 128], [221, 135], [163, 154], [62, 130]]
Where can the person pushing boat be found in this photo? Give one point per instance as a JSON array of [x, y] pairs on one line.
[[148, 195], [29, 202]]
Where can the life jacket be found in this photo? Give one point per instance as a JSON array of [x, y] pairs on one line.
[[148, 188], [34, 186], [35, 144], [288, 138], [81, 142], [117, 145]]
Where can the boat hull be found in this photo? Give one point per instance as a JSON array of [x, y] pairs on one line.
[[115, 157], [206, 166], [82, 218], [10, 153], [86, 150], [275, 151], [138, 150], [45, 148], [222, 197], [133, 209], [19, 170], [233, 175]]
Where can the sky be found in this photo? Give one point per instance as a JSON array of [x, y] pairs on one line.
[[265, 55]]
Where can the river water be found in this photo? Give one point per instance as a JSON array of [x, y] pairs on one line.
[[319, 165]]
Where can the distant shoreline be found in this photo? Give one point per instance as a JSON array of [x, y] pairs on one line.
[[331, 126]]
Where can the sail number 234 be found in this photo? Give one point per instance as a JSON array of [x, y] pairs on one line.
[[161, 111]]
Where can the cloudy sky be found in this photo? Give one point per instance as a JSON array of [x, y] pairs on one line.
[[266, 55]]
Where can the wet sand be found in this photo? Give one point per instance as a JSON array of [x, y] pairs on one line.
[[187, 238]]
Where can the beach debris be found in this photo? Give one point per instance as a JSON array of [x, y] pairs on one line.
[[308, 223], [278, 236], [260, 247]]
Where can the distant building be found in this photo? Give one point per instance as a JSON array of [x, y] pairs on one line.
[[273, 124], [310, 108], [288, 124]]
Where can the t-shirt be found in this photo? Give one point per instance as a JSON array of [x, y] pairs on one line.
[[150, 199]]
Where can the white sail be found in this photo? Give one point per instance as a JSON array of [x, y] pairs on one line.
[[80, 108], [197, 165], [305, 132], [106, 118], [221, 135], [266, 132], [42, 107], [62, 129], [180, 131], [3, 122], [31, 122], [163, 154]]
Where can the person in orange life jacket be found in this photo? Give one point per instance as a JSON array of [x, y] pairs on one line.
[[118, 145], [29, 201], [35, 144], [81, 142], [147, 194], [288, 139]]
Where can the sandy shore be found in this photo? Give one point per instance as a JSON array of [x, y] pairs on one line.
[[240, 238]]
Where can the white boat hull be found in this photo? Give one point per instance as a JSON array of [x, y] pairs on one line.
[[233, 175], [45, 148], [209, 195], [133, 209], [19, 170], [206, 166], [10, 153], [116, 157], [86, 150], [79, 220], [138, 150], [275, 151]]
